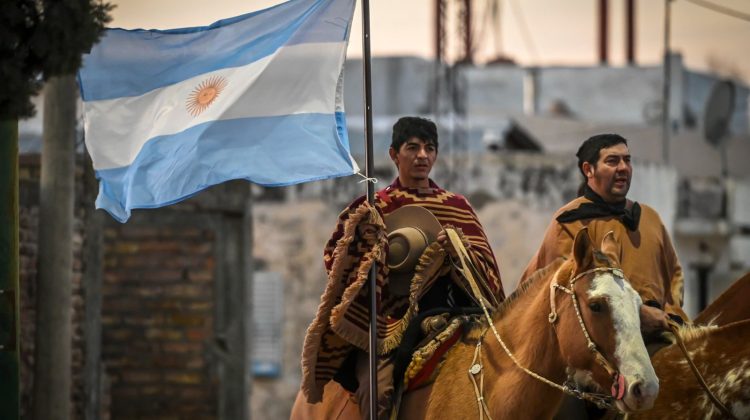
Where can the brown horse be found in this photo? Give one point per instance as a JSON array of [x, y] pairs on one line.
[[722, 356], [552, 346], [606, 319], [731, 306]]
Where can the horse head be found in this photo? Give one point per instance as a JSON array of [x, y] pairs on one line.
[[596, 316]]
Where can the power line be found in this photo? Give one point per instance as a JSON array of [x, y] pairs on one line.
[[525, 33], [481, 30], [721, 9]]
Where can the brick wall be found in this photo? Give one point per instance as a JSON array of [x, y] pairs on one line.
[[158, 305], [157, 315]]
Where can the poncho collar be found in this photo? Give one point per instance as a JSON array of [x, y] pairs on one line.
[[597, 207], [432, 189]]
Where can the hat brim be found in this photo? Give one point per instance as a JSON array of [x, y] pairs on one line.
[[416, 217]]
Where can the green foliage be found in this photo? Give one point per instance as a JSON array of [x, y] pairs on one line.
[[40, 39]]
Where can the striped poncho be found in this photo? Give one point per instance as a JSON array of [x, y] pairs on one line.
[[342, 321]]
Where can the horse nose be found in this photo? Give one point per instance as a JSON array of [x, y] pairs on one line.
[[641, 394]]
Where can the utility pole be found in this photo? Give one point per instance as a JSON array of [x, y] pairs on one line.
[[9, 302], [439, 57], [52, 364], [603, 32], [468, 57], [630, 32], [666, 120]]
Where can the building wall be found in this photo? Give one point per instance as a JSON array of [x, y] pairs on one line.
[[289, 240], [160, 339], [604, 94], [157, 319]]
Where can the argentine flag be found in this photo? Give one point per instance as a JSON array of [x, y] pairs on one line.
[[256, 97]]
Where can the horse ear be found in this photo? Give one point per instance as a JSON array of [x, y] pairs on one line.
[[611, 247], [582, 250]]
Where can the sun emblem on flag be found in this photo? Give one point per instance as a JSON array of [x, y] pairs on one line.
[[205, 94]]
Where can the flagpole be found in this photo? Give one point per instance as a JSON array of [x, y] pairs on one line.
[[369, 169]]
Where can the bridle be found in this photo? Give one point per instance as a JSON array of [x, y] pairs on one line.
[[675, 327], [600, 400], [618, 381]]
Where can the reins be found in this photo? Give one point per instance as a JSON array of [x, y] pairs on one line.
[[674, 326], [468, 270]]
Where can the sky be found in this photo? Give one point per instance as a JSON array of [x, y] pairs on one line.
[[560, 32]]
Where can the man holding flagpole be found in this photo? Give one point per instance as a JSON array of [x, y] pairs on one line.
[[403, 234], [169, 113]]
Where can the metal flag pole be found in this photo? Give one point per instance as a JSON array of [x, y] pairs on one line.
[[369, 168]]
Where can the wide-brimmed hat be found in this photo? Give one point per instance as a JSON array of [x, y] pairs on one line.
[[410, 230]]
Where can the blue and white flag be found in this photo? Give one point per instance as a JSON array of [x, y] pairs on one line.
[[256, 97]]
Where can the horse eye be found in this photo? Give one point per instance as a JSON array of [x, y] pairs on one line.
[[595, 306]]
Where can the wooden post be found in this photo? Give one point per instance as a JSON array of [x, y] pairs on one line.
[[52, 369], [9, 303]]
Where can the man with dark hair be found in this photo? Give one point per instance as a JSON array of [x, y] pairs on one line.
[[336, 344], [649, 260]]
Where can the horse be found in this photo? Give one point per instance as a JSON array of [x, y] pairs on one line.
[[575, 317], [722, 356], [730, 306]]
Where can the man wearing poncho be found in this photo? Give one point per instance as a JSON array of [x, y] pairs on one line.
[[337, 340], [648, 258]]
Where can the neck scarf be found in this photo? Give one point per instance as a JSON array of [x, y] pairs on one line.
[[600, 208]]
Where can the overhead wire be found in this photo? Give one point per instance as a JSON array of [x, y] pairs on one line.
[[721, 9], [524, 29], [480, 30], [497, 20]]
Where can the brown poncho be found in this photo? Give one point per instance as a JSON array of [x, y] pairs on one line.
[[341, 323], [648, 258]]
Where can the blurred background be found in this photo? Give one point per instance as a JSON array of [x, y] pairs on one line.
[[514, 86]]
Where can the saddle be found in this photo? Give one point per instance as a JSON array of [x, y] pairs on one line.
[[427, 339]]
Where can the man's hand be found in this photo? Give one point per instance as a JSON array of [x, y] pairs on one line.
[[446, 244], [653, 328]]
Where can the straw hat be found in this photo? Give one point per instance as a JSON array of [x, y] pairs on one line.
[[410, 230]]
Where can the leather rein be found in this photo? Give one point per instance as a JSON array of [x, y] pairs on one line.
[[600, 400], [674, 326]]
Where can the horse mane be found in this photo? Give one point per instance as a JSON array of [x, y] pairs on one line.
[[509, 302], [521, 290], [695, 332]]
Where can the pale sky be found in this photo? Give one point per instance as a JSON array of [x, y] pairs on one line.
[[563, 32]]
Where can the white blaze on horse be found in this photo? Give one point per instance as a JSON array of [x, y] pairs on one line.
[[576, 316]]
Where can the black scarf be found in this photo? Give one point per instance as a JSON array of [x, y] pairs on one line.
[[600, 208]]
